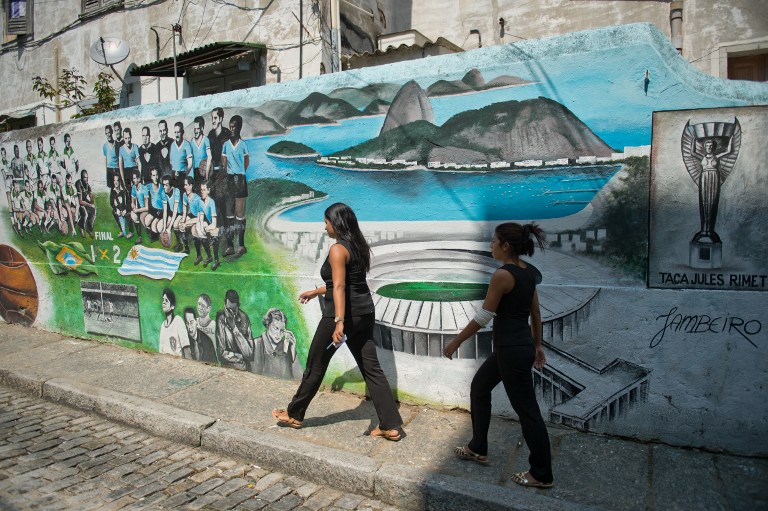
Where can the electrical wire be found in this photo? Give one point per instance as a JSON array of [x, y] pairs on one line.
[[704, 56], [240, 7], [202, 19]]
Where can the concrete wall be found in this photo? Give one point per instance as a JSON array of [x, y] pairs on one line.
[[707, 25], [711, 32], [61, 40], [557, 131]]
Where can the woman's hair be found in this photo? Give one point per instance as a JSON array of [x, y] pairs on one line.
[[344, 222], [520, 237]]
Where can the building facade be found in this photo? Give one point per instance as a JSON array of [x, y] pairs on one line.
[[269, 41]]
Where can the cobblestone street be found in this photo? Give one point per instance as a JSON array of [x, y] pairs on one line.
[[57, 458]]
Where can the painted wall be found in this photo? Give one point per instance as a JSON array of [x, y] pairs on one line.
[[579, 133]]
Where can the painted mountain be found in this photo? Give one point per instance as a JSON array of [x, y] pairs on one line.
[[377, 107], [257, 124], [275, 116], [364, 96], [473, 81], [316, 108], [411, 104], [278, 110], [508, 131]]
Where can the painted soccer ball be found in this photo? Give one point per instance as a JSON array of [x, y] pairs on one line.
[[18, 290]]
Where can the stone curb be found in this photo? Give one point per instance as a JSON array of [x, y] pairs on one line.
[[323, 465], [399, 485], [155, 418], [29, 382], [413, 488]]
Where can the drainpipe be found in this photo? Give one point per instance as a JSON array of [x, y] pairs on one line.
[[335, 37], [301, 38], [676, 24]]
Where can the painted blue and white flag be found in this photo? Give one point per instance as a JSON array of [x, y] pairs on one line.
[[154, 263]]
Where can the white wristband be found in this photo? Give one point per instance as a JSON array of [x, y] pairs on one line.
[[483, 317]]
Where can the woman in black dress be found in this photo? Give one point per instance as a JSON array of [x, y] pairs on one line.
[[348, 314], [511, 300]]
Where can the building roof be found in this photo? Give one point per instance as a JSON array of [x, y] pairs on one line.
[[207, 54]]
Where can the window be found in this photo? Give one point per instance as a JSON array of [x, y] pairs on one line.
[[97, 6], [741, 60], [19, 17], [227, 75], [748, 67]]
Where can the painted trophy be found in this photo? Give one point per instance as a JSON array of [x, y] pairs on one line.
[[709, 152]]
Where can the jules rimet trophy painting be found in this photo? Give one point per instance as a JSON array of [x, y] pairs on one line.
[[708, 199], [709, 151]]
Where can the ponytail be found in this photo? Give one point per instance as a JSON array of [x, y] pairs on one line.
[[520, 237]]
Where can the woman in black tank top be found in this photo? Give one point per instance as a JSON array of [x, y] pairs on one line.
[[510, 301], [348, 317]]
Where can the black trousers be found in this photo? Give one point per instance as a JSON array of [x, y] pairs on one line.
[[511, 365], [87, 217], [359, 331], [111, 173]]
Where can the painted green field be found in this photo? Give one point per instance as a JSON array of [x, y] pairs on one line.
[[435, 291], [262, 277]]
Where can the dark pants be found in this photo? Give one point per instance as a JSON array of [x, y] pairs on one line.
[[177, 179], [128, 182], [359, 330], [87, 217], [111, 173], [512, 366]]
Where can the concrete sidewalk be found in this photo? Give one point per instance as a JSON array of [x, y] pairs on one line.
[[229, 411]]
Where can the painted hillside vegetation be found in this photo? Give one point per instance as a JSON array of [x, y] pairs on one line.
[[534, 129], [532, 132], [276, 116]]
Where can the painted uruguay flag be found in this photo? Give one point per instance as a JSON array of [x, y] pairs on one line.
[[151, 262]]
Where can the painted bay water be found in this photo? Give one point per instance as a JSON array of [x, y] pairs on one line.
[[623, 119], [423, 194]]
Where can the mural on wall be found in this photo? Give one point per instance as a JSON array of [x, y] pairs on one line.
[[111, 309], [723, 209], [18, 289], [213, 222], [226, 337]]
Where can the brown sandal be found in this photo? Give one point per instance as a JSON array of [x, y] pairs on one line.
[[283, 419], [392, 435]]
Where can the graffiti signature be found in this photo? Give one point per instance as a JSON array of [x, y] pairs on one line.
[[703, 323]]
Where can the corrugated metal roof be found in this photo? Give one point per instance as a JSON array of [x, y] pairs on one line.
[[207, 54]]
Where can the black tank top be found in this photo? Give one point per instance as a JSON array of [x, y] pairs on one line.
[[510, 326], [358, 301]]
